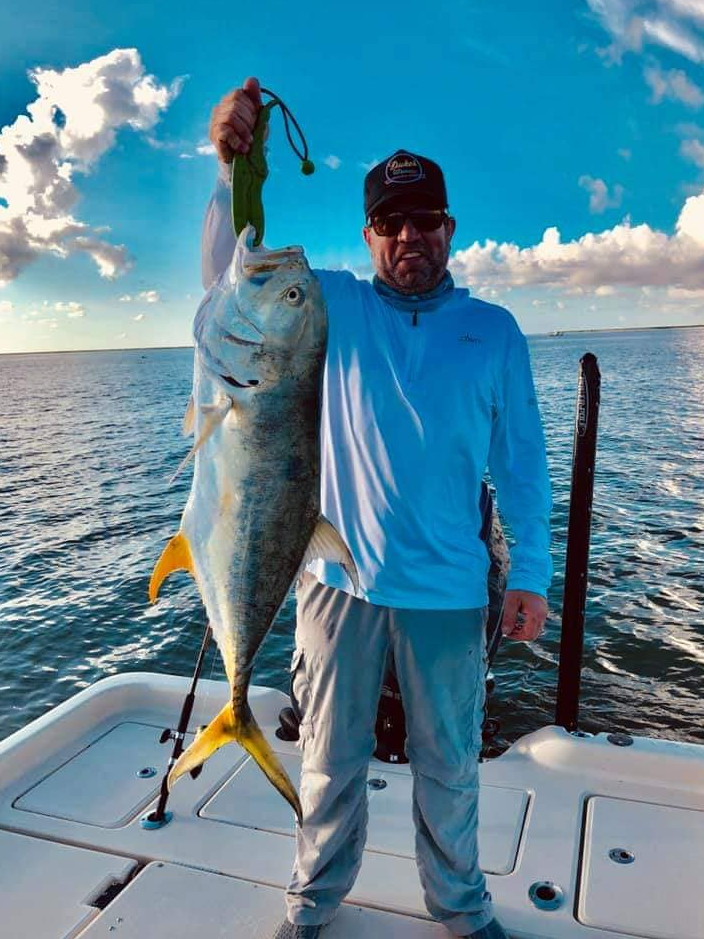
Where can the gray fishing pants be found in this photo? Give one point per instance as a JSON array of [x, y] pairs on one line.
[[338, 668]]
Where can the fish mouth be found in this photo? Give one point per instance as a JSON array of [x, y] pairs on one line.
[[237, 384]]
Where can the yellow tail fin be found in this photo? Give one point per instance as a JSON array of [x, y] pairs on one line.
[[245, 731], [176, 556]]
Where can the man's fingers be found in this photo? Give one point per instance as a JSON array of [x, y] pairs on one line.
[[508, 620]]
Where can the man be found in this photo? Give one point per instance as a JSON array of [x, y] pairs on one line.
[[424, 386]]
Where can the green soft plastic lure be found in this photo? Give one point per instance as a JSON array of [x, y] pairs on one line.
[[250, 170]]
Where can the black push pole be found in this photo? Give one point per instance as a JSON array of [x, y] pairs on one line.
[[158, 817], [578, 532]]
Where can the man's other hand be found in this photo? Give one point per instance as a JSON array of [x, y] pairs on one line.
[[524, 615], [233, 119]]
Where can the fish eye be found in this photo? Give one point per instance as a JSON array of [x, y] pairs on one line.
[[294, 296]]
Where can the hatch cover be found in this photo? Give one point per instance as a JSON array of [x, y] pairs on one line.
[[48, 889], [247, 799], [168, 900], [104, 784], [641, 869]]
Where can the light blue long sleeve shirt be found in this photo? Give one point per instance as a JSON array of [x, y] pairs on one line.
[[415, 407]]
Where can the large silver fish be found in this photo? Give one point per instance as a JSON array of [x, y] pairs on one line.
[[253, 515]]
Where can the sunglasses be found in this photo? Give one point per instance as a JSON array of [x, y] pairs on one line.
[[424, 220]]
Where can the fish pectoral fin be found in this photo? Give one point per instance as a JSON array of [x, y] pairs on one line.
[[326, 543], [213, 416], [225, 728], [189, 418], [176, 556]]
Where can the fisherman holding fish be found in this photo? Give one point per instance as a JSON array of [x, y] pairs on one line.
[[424, 387]]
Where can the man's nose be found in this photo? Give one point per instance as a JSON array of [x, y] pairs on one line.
[[408, 232]]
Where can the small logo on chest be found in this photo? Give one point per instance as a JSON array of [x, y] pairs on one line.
[[467, 338]]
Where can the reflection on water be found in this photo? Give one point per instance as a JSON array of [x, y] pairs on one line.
[[88, 441]]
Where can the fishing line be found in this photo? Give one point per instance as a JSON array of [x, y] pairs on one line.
[[288, 116]]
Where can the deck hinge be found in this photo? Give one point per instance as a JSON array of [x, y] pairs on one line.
[[111, 886]]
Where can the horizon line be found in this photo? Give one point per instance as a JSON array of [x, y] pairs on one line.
[[553, 333]]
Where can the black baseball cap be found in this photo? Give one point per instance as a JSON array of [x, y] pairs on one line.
[[404, 177]]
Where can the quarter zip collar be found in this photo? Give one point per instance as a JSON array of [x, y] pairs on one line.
[[415, 303]]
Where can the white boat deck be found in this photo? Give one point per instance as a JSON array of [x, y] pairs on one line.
[[554, 808]]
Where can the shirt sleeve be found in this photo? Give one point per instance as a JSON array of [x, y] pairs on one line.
[[518, 467], [218, 241]]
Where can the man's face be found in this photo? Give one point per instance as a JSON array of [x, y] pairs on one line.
[[412, 261]]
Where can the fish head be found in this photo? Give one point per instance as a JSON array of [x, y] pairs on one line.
[[277, 293], [267, 312]]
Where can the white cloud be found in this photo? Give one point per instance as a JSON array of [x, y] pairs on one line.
[[334, 162], [673, 85], [599, 198], [72, 309], [125, 298], [205, 149], [693, 150], [149, 296], [625, 255], [51, 323], [5, 306], [368, 166], [138, 318], [632, 24], [185, 156], [72, 122], [605, 290]]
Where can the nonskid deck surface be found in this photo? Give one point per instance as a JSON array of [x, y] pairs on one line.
[[619, 830]]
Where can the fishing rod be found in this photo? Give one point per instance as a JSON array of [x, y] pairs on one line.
[[160, 817], [578, 534]]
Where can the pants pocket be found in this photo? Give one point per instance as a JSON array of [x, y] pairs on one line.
[[300, 696]]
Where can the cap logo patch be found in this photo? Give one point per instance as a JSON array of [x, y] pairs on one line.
[[403, 168]]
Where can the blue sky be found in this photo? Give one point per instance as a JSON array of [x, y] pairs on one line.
[[571, 133]]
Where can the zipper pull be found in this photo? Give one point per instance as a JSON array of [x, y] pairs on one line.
[[415, 317]]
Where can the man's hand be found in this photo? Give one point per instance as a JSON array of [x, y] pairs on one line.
[[524, 615], [233, 120]]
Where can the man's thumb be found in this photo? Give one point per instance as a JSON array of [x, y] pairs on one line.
[[251, 86], [508, 620]]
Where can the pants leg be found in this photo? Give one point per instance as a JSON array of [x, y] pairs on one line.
[[341, 646], [440, 658]]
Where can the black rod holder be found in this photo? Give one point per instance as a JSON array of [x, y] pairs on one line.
[[578, 533], [158, 816]]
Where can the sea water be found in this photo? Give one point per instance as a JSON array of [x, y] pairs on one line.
[[88, 441]]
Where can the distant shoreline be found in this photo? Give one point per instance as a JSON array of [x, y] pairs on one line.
[[553, 334]]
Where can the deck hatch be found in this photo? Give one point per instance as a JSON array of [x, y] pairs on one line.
[[658, 893], [102, 784], [248, 800]]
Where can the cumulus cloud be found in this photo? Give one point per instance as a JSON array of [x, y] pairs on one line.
[[693, 150], [72, 309], [632, 24], [205, 149], [673, 85], [71, 123], [334, 162], [138, 318], [625, 255], [145, 296], [599, 198]]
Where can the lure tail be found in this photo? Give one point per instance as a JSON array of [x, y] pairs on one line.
[[241, 728]]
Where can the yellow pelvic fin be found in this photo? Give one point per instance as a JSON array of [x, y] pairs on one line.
[[176, 556], [245, 731]]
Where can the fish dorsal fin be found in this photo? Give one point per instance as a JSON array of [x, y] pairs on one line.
[[326, 543], [213, 415], [189, 418], [176, 556]]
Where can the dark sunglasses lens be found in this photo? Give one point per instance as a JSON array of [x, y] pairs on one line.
[[424, 220]]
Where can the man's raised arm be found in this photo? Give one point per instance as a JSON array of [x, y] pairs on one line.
[[231, 126]]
